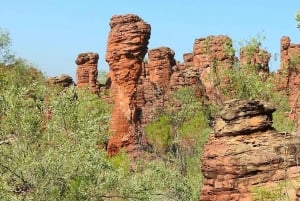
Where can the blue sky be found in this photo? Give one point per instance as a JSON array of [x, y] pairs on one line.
[[51, 33]]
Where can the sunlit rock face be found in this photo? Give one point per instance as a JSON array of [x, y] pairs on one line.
[[288, 76], [213, 55], [87, 72], [126, 47], [245, 151]]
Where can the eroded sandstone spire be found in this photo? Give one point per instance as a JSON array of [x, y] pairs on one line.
[[126, 48], [288, 76], [87, 71], [213, 55]]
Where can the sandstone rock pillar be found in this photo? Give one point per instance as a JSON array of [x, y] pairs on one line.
[[87, 72], [213, 55], [288, 76], [161, 61], [126, 48]]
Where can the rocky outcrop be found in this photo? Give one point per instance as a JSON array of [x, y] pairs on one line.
[[62, 80], [142, 94], [87, 72], [188, 59], [245, 151], [161, 61], [126, 48], [288, 76], [159, 79], [256, 57], [213, 55]]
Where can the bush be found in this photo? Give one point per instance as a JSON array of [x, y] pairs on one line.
[[158, 133]]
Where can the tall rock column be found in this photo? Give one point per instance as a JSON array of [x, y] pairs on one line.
[[161, 61], [87, 72], [126, 48], [289, 75], [213, 55]]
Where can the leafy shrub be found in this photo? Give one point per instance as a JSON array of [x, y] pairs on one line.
[[158, 133]]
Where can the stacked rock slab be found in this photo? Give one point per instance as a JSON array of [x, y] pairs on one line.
[[126, 48], [245, 151], [213, 55], [289, 75], [87, 71]]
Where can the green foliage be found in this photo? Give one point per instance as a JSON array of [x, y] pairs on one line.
[[121, 161], [269, 193], [5, 43], [228, 49], [62, 157], [179, 135], [102, 77], [245, 83], [158, 133], [53, 140], [294, 62], [298, 18]]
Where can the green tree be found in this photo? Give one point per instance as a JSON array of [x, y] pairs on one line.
[[5, 44], [298, 18]]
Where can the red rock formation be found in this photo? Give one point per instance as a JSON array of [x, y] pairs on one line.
[[126, 48], [62, 80], [259, 58], [159, 79], [188, 59], [289, 75], [245, 151], [213, 55], [161, 61], [87, 71]]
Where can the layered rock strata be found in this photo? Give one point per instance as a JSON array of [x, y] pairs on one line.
[[87, 72], [244, 151], [288, 76], [126, 48], [213, 55]]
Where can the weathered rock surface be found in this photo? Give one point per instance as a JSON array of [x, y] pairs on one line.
[[142, 96], [289, 75], [62, 80], [255, 56], [245, 151], [241, 117], [213, 55], [159, 79], [126, 48], [161, 61], [87, 71]]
